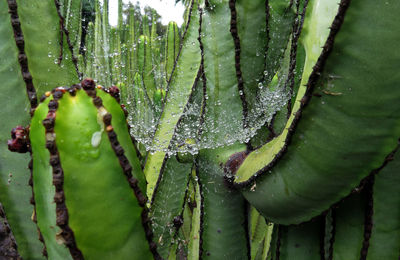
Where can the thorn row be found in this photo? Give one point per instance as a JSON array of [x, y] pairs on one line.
[[22, 58], [89, 86], [58, 175]]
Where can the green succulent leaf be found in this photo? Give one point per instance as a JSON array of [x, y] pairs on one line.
[[280, 27], [101, 62], [252, 27], [223, 115], [260, 235], [313, 41], [73, 18]]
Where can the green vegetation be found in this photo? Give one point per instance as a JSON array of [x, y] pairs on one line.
[[254, 130]]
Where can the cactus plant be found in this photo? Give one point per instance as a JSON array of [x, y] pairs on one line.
[[269, 130]]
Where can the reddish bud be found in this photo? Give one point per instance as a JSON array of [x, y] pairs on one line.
[[20, 140], [88, 84]]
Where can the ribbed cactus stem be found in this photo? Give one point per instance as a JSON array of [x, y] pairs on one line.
[[90, 51], [146, 65], [8, 246], [116, 56], [145, 26], [23, 59], [102, 45], [132, 43], [171, 48], [82, 129]]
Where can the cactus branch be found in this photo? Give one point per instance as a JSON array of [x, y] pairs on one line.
[[368, 221], [64, 30], [88, 86], [239, 75], [186, 69], [8, 246], [297, 27], [58, 177], [312, 80], [33, 203], [22, 58], [203, 77]]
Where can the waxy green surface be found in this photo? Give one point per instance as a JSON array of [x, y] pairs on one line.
[[260, 234], [14, 174], [42, 46], [124, 138], [194, 242], [257, 160], [385, 235], [92, 173], [101, 61], [224, 108], [171, 48], [73, 16], [178, 93], [300, 242], [146, 65], [168, 202], [252, 27], [43, 188], [349, 227], [223, 230], [347, 132]]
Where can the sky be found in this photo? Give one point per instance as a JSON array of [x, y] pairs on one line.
[[166, 8]]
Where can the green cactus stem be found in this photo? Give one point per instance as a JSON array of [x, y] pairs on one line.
[[22, 57], [83, 125], [146, 65], [166, 210], [64, 30], [158, 100], [43, 59], [319, 149], [269, 131], [184, 78], [171, 48], [224, 219], [8, 246]]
